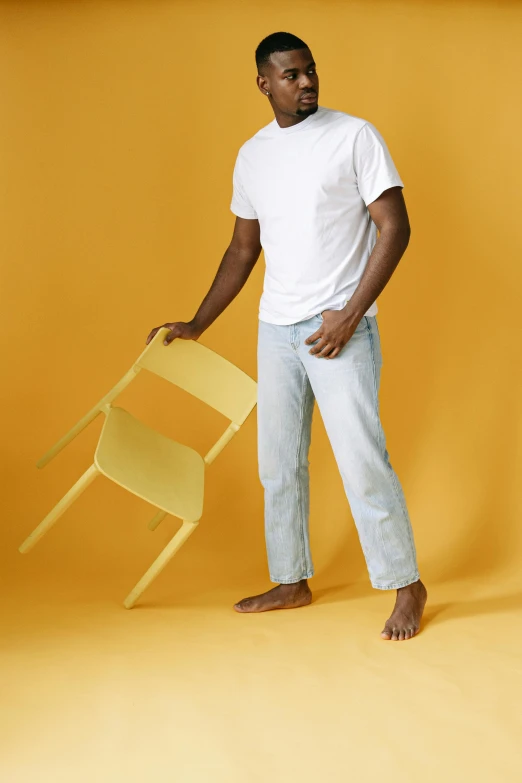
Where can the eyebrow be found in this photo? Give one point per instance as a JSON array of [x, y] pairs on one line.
[[288, 70]]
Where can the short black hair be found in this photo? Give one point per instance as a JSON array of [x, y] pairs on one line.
[[276, 42]]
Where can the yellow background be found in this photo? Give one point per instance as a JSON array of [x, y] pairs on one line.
[[120, 126]]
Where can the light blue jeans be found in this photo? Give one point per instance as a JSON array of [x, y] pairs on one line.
[[346, 388]]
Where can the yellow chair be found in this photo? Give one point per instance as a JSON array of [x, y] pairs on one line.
[[167, 474]]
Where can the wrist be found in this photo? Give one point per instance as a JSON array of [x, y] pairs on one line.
[[197, 326], [353, 311]]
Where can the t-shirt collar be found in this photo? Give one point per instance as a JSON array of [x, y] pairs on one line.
[[276, 129]]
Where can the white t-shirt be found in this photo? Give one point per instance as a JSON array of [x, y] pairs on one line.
[[309, 186]]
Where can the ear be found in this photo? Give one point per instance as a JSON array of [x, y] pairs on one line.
[[261, 83]]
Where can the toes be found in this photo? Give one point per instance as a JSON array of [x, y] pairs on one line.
[[398, 634], [390, 633]]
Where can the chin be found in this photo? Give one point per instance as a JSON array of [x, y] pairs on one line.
[[310, 108]]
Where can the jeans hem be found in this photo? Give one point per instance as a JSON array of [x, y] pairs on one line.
[[290, 580], [396, 585]]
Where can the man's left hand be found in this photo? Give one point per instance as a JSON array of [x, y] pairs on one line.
[[333, 334]]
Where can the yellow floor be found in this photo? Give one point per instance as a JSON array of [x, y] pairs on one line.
[[182, 688]]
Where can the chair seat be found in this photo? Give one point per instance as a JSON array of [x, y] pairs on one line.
[[158, 469]]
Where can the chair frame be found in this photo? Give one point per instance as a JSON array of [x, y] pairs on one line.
[[104, 406]]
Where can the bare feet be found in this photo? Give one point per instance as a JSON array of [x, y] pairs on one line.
[[405, 619], [280, 597]]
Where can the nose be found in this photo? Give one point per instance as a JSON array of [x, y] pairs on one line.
[[305, 82]]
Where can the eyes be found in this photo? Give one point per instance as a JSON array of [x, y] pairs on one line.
[[293, 75]]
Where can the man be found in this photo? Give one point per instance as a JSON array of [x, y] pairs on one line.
[[311, 188]]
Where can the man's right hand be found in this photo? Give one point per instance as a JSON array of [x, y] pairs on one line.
[[185, 331]]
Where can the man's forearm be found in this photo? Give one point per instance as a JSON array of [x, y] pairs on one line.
[[230, 278], [386, 254]]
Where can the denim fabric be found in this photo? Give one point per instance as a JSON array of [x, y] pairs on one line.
[[346, 388]]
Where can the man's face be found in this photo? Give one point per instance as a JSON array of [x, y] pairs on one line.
[[292, 80]]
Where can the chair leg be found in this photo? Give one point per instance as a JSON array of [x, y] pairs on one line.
[[154, 522], [76, 490], [161, 561]]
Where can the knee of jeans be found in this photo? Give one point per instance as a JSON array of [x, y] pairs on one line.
[[360, 483], [270, 468]]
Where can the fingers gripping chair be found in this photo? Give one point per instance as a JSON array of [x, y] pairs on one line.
[[167, 474]]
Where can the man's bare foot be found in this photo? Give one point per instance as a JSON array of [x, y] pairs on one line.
[[405, 619], [280, 597]]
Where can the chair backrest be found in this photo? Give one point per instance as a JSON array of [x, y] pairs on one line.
[[203, 373]]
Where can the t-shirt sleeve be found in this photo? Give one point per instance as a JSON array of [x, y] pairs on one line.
[[240, 204], [373, 164]]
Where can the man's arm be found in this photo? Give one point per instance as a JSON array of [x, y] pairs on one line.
[[233, 272], [237, 263], [389, 214]]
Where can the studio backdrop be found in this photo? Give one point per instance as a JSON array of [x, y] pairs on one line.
[[120, 127]]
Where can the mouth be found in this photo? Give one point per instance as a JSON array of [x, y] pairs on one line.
[[309, 98]]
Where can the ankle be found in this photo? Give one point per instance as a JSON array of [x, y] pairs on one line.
[[414, 589], [409, 588], [290, 586]]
